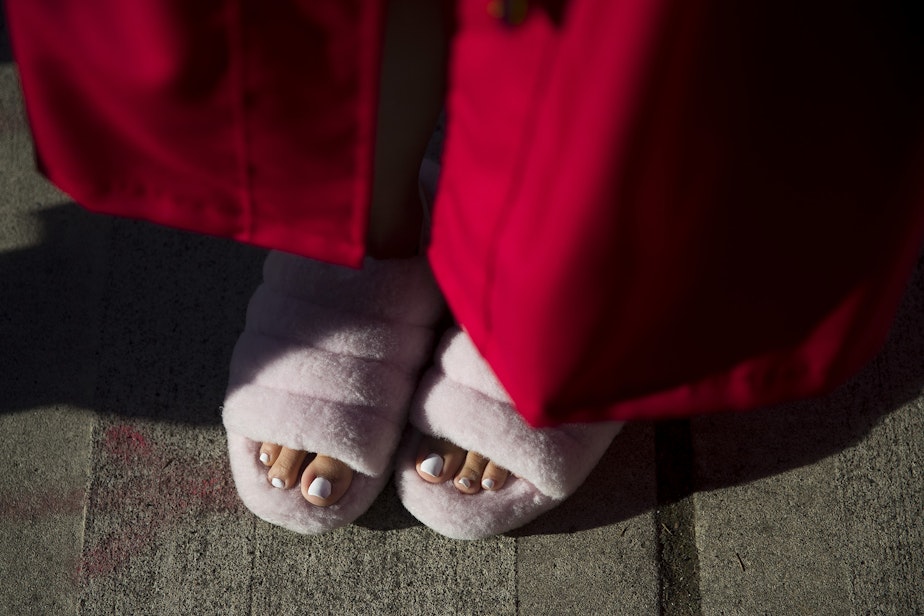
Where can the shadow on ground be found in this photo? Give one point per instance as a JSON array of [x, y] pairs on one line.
[[143, 326], [121, 317], [736, 449], [6, 54]]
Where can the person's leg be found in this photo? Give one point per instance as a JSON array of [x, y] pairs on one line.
[[410, 98], [408, 111], [411, 95]]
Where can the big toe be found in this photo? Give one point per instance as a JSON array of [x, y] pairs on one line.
[[438, 460], [325, 481]]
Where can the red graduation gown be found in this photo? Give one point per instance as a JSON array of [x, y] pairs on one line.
[[647, 208]]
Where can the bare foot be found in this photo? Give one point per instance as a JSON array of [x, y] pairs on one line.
[[470, 472], [323, 481]]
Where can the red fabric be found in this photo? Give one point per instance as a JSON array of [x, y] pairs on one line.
[[648, 208], [653, 209], [242, 118]]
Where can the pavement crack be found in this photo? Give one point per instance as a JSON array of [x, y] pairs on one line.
[[678, 559]]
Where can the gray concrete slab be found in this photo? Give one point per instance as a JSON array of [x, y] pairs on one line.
[[882, 492], [52, 270], [42, 508], [164, 532], [816, 507], [597, 553], [881, 477], [160, 544]]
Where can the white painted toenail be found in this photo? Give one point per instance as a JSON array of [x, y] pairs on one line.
[[432, 465], [487, 484], [277, 482], [264, 457], [320, 487], [465, 483]]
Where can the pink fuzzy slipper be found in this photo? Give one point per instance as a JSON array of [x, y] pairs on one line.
[[461, 401], [327, 363]]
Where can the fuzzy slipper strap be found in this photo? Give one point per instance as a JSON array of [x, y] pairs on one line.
[[462, 401], [330, 356]]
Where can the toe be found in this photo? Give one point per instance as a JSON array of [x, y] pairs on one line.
[[269, 453], [284, 471], [438, 460], [494, 477], [325, 481], [468, 479]]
